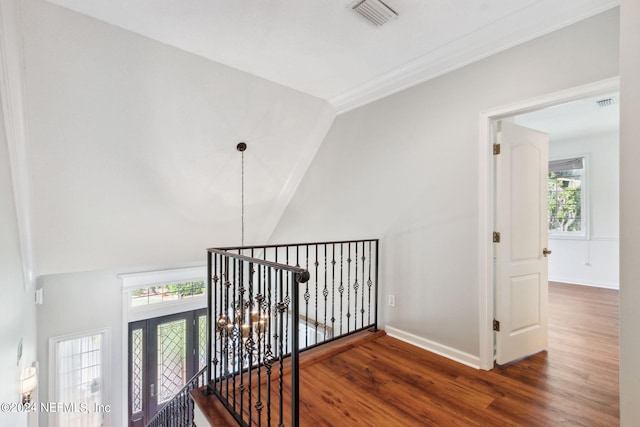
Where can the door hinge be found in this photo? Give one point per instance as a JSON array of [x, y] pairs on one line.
[[496, 237], [496, 149], [496, 325]]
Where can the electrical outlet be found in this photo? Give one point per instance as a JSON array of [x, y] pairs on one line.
[[392, 300]]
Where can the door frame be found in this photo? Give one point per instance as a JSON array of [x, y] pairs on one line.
[[150, 373], [132, 281], [486, 198]]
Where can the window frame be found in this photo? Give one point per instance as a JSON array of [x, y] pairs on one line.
[[134, 281], [105, 383], [585, 190]]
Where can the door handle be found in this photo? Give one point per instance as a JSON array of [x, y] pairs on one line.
[[546, 252], [152, 390]]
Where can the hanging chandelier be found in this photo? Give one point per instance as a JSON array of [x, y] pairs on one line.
[[245, 323]]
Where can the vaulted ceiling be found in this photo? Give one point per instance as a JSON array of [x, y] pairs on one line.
[[132, 137], [325, 49]]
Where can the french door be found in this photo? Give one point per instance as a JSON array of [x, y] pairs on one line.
[[164, 353]]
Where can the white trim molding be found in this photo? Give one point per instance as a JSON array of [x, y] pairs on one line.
[[434, 347], [12, 94], [463, 51]]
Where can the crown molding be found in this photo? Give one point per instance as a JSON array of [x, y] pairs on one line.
[[461, 52], [12, 96]]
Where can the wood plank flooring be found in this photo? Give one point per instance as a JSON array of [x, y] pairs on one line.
[[386, 382]]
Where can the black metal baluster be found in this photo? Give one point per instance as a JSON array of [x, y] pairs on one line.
[[307, 296], [269, 354], [349, 288], [362, 310], [369, 284], [250, 344], [333, 289], [355, 290], [229, 334], [241, 339], [261, 349], [286, 300], [325, 294], [219, 308], [375, 300], [277, 298], [236, 331], [341, 287], [281, 309], [316, 264], [211, 295]]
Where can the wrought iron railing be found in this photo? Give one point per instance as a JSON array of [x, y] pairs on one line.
[[178, 412], [269, 303]]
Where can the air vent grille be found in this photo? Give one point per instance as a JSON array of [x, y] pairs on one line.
[[605, 102], [375, 11]]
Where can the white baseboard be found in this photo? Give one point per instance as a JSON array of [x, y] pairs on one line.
[[434, 347], [568, 280]]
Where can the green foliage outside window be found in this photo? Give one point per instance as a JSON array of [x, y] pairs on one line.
[[169, 292], [565, 201]]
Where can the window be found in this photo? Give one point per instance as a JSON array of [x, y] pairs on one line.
[[168, 292], [78, 375], [566, 197], [158, 293]]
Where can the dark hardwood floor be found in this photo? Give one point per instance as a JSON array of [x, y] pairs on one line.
[[385, 382]]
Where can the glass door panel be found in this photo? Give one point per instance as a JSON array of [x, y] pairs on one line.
[[172, 358], [164, 354]]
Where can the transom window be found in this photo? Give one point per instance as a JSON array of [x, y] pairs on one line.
[[566, 197], [167, 292]]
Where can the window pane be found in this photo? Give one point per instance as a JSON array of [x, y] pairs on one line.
[[137, 353], [565, 200], [172, 367], [202, 341], [79, 381], [165, 293]]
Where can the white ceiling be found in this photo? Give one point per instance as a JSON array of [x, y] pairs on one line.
[[324, 49], [575, 119]]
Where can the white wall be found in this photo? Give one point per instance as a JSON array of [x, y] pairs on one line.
[[133, 164], [17, 318], [133, 146], [82, 302], [594, 260], [629, 213], [405, 169]]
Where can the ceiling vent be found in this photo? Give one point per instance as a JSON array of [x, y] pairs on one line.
[[606, 102], [375, 11]]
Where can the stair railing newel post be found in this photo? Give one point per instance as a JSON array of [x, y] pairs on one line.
[[295, 347], [211, 302]]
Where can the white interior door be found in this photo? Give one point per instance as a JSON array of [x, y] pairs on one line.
[[521, 262]]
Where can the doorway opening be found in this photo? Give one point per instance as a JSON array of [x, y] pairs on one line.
[[525, 113], [164, 337], [164, 354]]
